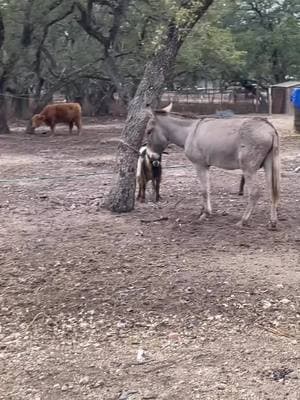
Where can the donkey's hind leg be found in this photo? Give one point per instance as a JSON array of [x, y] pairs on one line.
[[253, 195], [203, 175], [269, 179]]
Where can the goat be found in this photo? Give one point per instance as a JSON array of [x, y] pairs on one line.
[[148, 169]]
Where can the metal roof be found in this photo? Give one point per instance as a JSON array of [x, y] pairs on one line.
[[287, 84]]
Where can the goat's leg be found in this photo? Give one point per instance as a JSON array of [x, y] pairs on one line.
[[138, 197], [203, 175], [251, 182], [242, 184], [142, 191], [155, 187]]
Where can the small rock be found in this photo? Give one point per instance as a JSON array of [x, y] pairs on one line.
[[84, 381], [126, 394], [281, 374], [64, 388], [98, 384], [221, 386], [297, 169], [285, 301], [266, 305], [294, 375], [173, 336], [140, 357], [149, 395]]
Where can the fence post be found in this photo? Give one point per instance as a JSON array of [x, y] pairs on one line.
[[297, 119], [270, 100]]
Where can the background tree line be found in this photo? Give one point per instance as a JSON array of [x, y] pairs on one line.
[[93, 50]]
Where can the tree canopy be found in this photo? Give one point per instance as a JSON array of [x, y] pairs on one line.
[[93, 49]]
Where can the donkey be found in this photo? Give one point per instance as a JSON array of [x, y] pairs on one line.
[[232, 143]]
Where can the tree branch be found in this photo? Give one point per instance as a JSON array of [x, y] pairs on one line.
[[2, 31]]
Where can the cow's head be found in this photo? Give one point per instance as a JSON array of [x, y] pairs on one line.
[[37, 120]]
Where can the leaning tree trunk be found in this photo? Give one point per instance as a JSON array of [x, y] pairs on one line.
[[4, 128], [122, 195]]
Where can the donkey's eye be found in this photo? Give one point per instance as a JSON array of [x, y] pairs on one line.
[[149, 131]]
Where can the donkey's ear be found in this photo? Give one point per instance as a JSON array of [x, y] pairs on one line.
[[149, 110], [168, 108]]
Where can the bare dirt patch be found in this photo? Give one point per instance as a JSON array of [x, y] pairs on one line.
[[101, 306]]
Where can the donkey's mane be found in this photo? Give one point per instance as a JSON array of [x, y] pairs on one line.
[[184, 116]]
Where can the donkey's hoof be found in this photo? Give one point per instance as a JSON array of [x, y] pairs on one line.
[[272, 226], [242, 223]]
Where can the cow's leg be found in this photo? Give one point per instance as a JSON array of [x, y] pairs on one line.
[[52, 129], [79, 126], [70, 127], [253, 195], [242, 184], [203, 175]]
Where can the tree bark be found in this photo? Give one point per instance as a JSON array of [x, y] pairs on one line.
[[4, 128], [121, 197]]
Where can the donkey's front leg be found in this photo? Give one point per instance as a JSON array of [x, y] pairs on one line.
[[203, 175]]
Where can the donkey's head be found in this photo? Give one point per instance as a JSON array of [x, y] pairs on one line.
[[157, 137]]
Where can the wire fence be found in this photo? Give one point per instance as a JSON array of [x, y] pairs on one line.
[[75, 176]]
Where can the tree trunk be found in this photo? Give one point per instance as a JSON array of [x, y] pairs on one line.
[[122, 195], [277, 70], [4, 128]]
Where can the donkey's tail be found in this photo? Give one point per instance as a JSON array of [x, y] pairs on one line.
[[275, 169], [275, 161]]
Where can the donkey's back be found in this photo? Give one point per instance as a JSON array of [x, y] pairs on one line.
[[230, 143]]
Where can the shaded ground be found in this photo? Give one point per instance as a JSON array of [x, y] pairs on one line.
[[102, 306]]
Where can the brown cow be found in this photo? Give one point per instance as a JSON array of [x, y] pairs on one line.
[[68, 113]]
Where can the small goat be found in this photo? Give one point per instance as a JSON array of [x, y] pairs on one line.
[[148, 169]]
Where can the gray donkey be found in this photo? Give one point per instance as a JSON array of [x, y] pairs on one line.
[[232, 143]]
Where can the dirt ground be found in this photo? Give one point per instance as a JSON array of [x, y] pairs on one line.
[[122, 307]]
